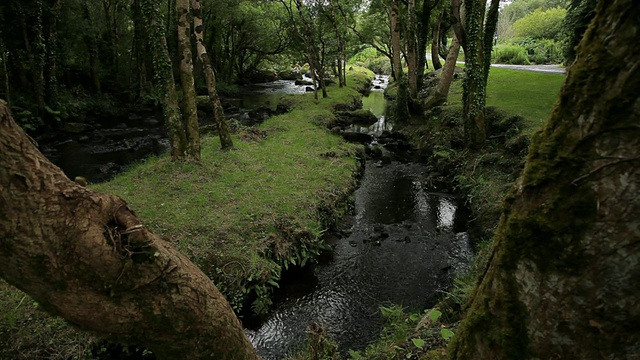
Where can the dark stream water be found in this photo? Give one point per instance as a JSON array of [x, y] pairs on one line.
[[402, 246]]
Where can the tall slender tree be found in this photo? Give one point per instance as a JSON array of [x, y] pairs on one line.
[[189, 109], [563, 280], [218, 112], [164, 76]]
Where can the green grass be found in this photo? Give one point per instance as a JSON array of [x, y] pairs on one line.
[[531, 95], [525, 93]]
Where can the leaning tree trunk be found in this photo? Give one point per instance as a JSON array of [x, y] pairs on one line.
[[85, 256], [563, 281], [441, 94], [189, 110], [218, 112], [164, 77]]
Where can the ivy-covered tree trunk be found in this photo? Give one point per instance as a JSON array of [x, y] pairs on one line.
[[395, 39], [476, 38], [5, 71], [37, 59], [412, 50], [189, 110], [164, 77], [91, 41], [51, 83], [218, 112], [86, 257], [563, 281]]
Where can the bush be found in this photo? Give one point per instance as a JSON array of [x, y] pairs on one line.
[[540, 24], [541, 51], [510, 54]]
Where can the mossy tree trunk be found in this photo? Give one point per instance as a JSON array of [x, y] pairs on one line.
[[218, 112], [5, 71], [51, 82], [476, 38], [435, 42], [412, 50], [189, 110], [91, 41], [563, 280], [86, 257], [164, 76], [394, 20]]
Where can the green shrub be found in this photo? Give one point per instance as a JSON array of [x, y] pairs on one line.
[[541, 51], [540, 24], [510, 54]]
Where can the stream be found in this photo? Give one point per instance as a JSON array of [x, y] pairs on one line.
[[403, 244]]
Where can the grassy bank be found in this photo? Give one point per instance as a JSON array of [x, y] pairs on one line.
[[243, 216]]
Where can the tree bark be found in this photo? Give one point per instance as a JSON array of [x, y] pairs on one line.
[[5, 72], [90, 39], [444, 84], [563, 280], [412, 50], [395, 39], [189, 110], [435, 54], [164, 77], [218, 112], [86, 257], [51, 82]]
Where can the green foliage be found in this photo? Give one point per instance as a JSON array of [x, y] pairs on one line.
[[510, 54], [407, 335], [579, 15], [541, 24], [371, 59], [521, 8]]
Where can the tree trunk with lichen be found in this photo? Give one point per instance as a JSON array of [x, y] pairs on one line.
[[189, 109], [86, 257], [218, 112], [563, 280], [164, 77]]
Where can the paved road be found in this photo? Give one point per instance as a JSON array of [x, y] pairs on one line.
[[549, 69]]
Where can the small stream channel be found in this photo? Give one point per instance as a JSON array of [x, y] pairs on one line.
[[403, 244]]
